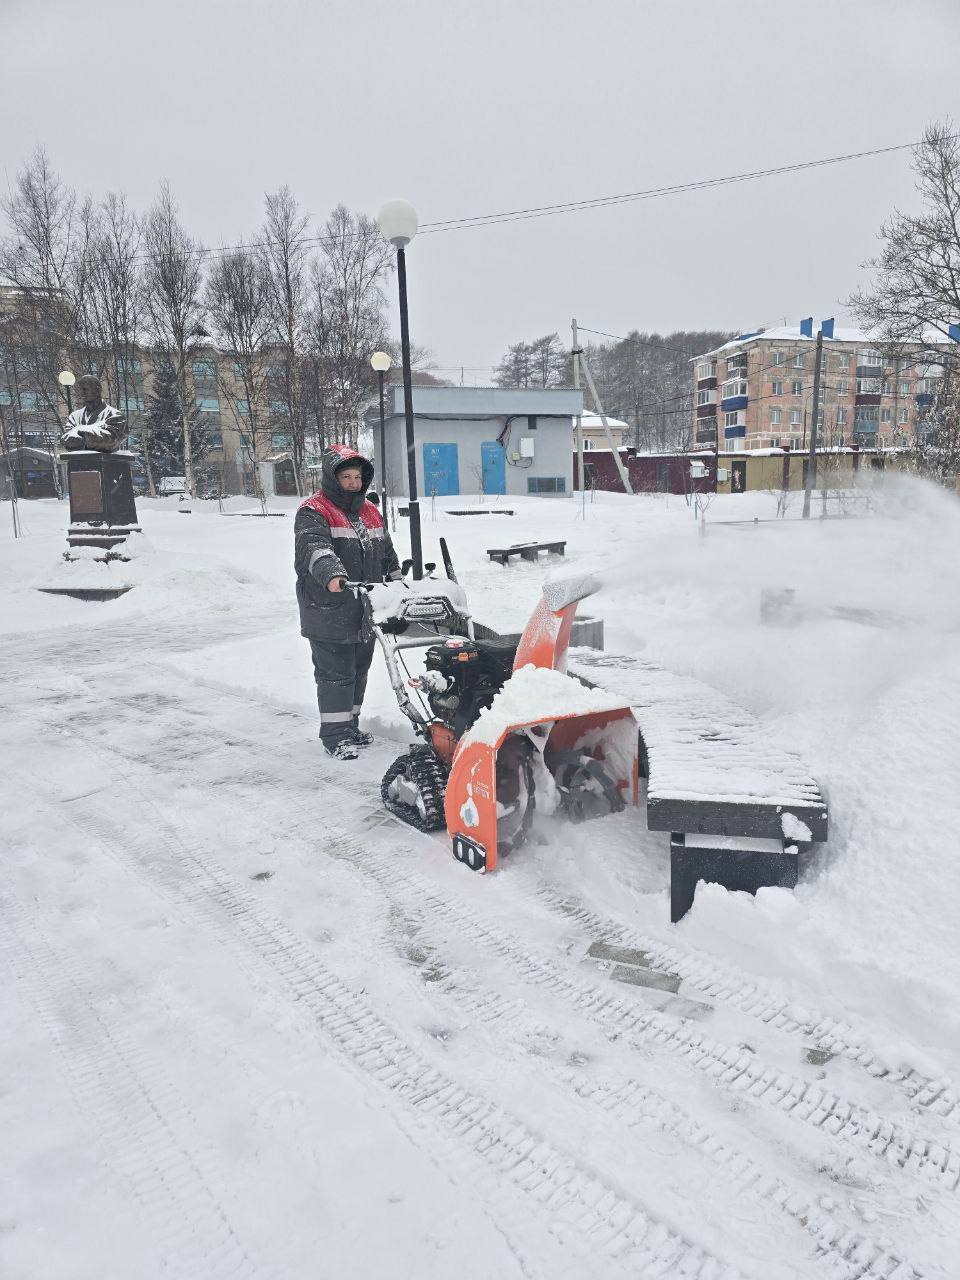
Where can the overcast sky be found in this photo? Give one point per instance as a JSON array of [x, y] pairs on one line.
[[471, 108]]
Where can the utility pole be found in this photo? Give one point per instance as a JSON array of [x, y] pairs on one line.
[[624, 477], [576, 382], [815, 412]]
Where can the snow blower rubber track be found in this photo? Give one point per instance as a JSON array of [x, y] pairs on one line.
[[424, 769]]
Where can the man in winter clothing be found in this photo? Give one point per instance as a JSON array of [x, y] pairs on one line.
[[340, 536]]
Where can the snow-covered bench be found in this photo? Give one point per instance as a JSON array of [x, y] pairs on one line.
[[739, 808]]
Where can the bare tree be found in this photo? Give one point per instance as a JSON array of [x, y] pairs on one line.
[[515, 368], [114, 289], [173, 280], [286, 259], [238, 300], [347, 320], [44, 234]]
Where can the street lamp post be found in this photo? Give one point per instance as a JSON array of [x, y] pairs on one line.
[[398, 223], [66, 380], [381, 362]]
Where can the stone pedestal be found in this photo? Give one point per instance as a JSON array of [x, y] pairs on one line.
[[103, 514]]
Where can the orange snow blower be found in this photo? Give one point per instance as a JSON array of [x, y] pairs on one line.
[[545, 741]]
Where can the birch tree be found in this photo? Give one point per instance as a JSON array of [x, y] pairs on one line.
[[285, 259], [173, 282]]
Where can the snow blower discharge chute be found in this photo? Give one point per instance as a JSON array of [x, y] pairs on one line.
[[505, 730]]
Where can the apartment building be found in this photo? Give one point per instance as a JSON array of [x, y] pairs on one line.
[[33, 417], [756, 392]]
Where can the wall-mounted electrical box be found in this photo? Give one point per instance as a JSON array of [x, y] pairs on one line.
[[526, 446]]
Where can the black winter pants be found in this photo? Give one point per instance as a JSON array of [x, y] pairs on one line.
[[340, 671]]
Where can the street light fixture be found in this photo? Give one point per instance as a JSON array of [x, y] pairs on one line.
[[380, 363], [398, 223], [67, 380]]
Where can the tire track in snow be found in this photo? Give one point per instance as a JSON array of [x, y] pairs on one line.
[[722, 983], [728, 1066], [577, 1201], [130, 1105], [719, 981]]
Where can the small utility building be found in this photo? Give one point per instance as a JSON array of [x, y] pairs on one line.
[[480, 440]]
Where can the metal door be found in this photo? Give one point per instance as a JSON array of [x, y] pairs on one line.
[[494, 467], [441, 475]]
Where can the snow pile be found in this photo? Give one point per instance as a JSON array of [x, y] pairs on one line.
[[537, 693]]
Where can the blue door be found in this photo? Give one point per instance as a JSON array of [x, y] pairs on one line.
[[494, 466], [441, 475]]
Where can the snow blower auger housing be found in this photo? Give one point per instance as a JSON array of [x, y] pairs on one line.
[[546, 739]]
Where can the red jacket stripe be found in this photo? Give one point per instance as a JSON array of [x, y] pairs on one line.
[[338, 519]]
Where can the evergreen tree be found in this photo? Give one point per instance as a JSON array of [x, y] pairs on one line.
[[163, 438]]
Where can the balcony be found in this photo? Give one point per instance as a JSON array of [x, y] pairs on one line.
[[731, 403], [925, 399]]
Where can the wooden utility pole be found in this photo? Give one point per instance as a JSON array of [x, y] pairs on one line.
[[576, 382], [624, 477], [815, 413]]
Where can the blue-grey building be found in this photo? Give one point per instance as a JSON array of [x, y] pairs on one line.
[[493, 440]]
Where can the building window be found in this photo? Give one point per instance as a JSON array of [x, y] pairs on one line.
[[868, 386], [92, 367], [706, 369], [871, 358], [796, 387], [238, 369], [774, 442], [29, 401], [843, 360], [886, 415], [841, 417], [777, 387], [902, 415], [794, 417], [132, 404], [737, 363], [133, 440], [798, 360], [587, 444], [775, 417], [281, 440], [5, 397], [243, 407], [204, 369], [208, 404], [546, 484], [779, 357], [903, 387], [735, 387], [843, 387], [706, 397], [279, 407], [886, 387], [125, 365], [927, 386], [215, 440]]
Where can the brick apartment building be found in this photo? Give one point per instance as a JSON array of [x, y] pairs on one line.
[[756, 392]]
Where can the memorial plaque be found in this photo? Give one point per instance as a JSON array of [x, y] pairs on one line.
[[86, 494]]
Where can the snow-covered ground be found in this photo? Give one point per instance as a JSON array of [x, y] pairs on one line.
[[253, 1028]]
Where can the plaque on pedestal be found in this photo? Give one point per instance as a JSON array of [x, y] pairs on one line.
[[101, 489]]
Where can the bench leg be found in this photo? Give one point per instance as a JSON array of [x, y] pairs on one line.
[[731, 868]]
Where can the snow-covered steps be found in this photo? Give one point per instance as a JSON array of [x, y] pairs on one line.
[[739, 808]]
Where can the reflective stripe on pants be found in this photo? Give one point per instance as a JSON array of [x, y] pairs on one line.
[[340, 671]]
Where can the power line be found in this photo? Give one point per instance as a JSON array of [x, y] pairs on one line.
[[573, 206], [653, 193]]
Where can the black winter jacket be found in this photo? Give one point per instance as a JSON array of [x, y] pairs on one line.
[[339, 534]]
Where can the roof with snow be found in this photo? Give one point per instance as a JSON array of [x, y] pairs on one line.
[[593, 422], [789, 333]]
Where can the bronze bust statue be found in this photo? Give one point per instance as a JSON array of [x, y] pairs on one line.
[[95, 425]]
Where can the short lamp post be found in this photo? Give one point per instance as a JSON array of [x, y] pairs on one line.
[[380, 362], [398, 223], [67, 380]]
